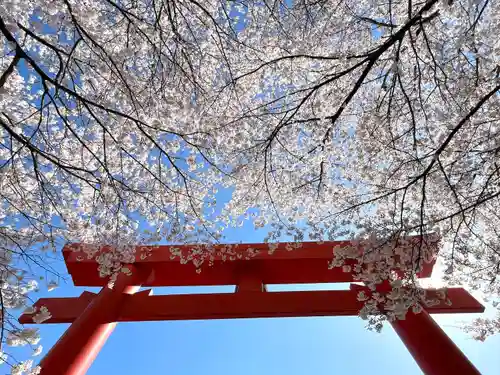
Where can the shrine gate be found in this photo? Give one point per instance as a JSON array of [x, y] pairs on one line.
[[94, 316]]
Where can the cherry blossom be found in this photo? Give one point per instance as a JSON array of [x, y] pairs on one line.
[[38, 350], [41, 315]]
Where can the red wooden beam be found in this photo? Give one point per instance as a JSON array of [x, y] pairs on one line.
[[307, 264], [251, 304], [63, 309]]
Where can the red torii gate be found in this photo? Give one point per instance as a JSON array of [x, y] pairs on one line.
[[94, 316]]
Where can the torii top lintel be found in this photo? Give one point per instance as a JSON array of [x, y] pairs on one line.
[[306, 264]]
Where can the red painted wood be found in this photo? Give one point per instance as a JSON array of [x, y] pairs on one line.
[[431, 348], [249, 280], [77, 348], [63, 309], [245, 304], [95, 316], [462, 301], [308, 264]]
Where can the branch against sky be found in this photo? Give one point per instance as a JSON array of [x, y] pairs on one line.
[[122, 122]]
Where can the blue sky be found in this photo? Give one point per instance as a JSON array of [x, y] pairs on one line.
[[291, 346]]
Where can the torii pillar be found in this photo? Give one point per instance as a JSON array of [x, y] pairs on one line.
[[93, 317]]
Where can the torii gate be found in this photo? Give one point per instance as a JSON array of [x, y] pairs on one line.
[[94, 316]]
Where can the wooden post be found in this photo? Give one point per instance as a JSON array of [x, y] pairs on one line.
[[78, 347], [431, 347]]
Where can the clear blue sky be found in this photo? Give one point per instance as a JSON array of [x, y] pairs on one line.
[[285, 346]]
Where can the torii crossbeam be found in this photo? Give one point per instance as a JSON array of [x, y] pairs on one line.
[[94, 316]]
